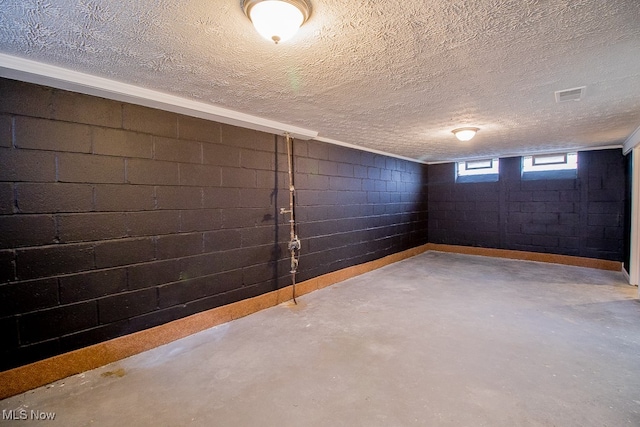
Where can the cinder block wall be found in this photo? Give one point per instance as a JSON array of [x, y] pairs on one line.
[[355, 206], [115, 218], [581, 217]]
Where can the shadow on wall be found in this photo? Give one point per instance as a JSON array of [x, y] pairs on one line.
[[277, 252]]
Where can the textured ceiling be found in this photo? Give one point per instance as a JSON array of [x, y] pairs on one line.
[[390, 75]]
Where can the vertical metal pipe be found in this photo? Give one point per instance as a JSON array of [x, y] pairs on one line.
[[294, 241]]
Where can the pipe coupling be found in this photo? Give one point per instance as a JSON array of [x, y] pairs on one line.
[[294, 244]]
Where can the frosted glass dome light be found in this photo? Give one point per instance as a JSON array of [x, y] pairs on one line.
[[277, 20], [465, 134]]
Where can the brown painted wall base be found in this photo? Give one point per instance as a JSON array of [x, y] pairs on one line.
[[529, 256], [37, 374]]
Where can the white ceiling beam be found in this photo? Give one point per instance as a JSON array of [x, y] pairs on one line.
[[26, 70], [16, 68], [370, 150], [632, 141], [530, 153]]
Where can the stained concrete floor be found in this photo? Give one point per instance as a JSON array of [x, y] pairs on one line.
[[436, 340]]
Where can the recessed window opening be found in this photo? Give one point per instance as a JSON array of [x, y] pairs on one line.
[[550, 166], [485, 170], [550, 162]]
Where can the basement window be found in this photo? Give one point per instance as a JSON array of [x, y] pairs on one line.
[[550, 166], [485, 170]]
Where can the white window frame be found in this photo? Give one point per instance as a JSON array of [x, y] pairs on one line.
[[550, 162], [478, 167]]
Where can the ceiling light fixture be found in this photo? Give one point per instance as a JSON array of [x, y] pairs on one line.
[[277, 20], [465, 134]]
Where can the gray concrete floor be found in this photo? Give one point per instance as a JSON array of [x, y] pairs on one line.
[[437, 340]]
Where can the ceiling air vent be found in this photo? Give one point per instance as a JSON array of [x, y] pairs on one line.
[[574, 94]]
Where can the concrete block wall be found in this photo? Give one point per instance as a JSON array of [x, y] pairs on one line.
[[584, 216], [115, 218], [356, 206]]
